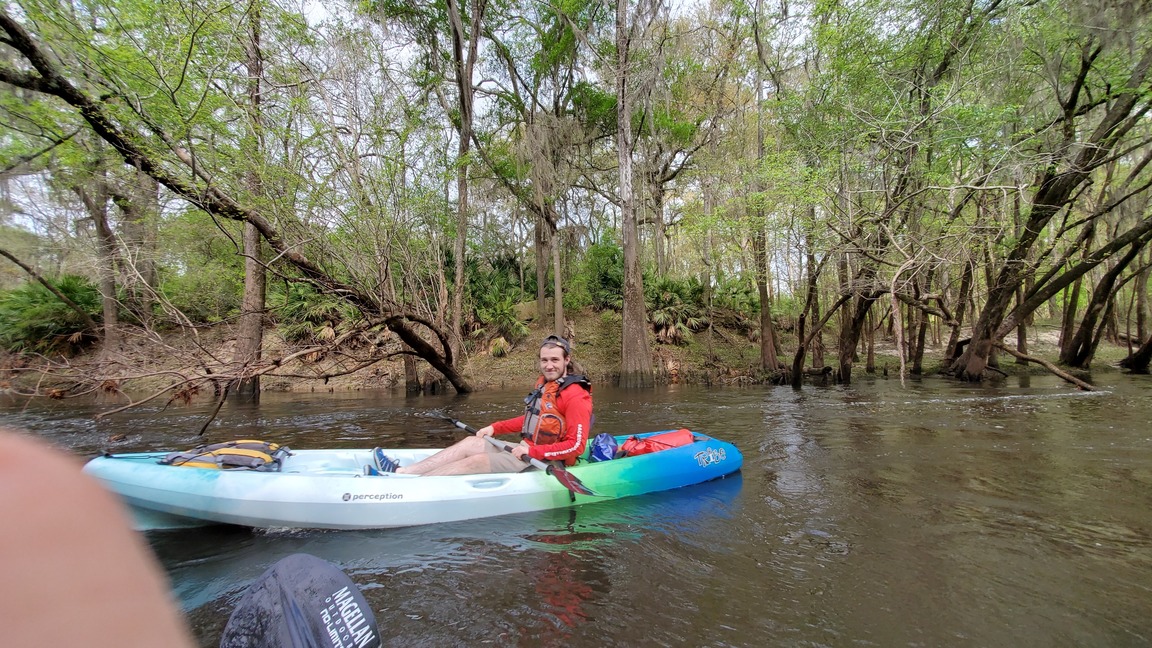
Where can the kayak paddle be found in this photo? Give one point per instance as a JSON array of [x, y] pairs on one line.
[[567, 479]]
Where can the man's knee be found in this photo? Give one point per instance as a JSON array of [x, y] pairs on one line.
[[476, 444], [479, 463], [468, 465]]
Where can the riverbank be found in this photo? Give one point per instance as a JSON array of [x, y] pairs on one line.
[[721, 355], [717, 356], [724, 355]]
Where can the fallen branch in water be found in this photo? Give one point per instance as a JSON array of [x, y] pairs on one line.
[[1047, 365]]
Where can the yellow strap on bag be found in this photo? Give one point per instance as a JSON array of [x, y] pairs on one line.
[[244, 454]]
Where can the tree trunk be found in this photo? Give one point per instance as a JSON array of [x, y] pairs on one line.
[[919, 326], [811, 307], [557, 288], [1141, 288], [1021, 332], [464, 61], [921, 338], [542, 237], [844, 319], [961, 307], [635, 356], [706, 272], [95, 199], [111, 317], [250, 333], [1078, 350], [659, 227], [769, 361], [140, 209], [817, 334], [1111, 328], [1068, 319], [851, 334], [1138, 362]]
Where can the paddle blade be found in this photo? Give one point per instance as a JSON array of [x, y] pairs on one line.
[[302, 602], [570, 481]]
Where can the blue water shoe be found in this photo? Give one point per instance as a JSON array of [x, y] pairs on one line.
[[384, 463]]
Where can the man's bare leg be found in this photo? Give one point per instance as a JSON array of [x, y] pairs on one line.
[[474, 465], [463, 449]]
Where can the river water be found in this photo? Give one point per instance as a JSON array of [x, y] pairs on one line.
[[931, 514]]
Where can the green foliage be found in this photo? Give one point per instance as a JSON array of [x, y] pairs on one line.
[[787, 306], [33, 319], [208, 295], [306, 316], [595, 107], [499, 318], [558, 41], [736, 293], [675, 308], [494, 291], [200, 272], [576, 297], [679, 130], [601, 276], [499, 348]]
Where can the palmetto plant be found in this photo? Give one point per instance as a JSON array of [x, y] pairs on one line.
[[499, 319], [309, 317], [494, 292], [737, 294], [603, 276], [674, 309], [33, 319]]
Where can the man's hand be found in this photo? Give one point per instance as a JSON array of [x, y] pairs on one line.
[[485, 431], [520, 451]]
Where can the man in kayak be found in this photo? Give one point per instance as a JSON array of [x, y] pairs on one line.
[[554, 427]]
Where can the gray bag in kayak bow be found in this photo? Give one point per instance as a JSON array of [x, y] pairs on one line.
[[302, 602]]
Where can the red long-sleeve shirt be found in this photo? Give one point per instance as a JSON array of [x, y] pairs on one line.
[[574, 405]]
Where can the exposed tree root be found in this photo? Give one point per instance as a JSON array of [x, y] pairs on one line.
[[1047, 365]]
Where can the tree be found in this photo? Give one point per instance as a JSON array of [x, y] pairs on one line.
[[423, 22], [537, 133], [250, 336], [636, 361], [147, 139], [1102, 103]]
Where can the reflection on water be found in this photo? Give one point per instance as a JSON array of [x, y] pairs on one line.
[[936, 514], [201, 572]]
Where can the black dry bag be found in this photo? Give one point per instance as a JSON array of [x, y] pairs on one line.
[[302, 602]]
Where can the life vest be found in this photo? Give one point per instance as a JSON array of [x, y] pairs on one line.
[[245, 454], [543, 424]]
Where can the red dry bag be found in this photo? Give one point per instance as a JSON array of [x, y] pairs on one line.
[[655, 443]]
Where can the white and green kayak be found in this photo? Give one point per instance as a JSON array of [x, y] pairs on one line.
[[328, 489]]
